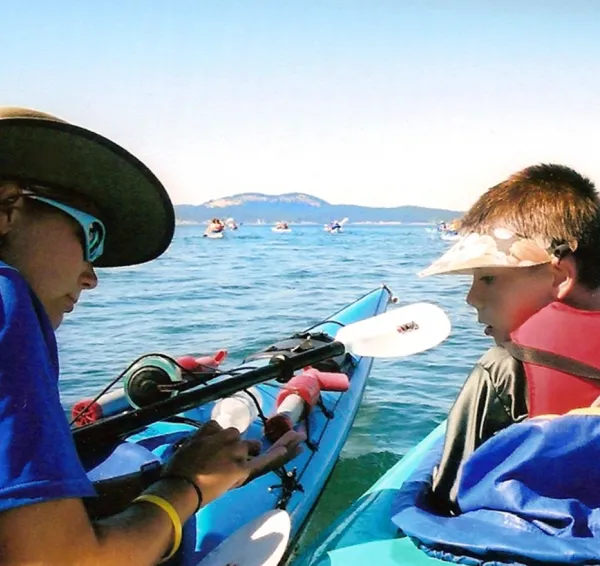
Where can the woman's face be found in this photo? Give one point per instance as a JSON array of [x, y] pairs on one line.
[[45, 245]]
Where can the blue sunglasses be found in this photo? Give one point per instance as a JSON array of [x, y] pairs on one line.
[[94, 231]]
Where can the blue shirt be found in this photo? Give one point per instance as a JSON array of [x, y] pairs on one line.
[[38, 460]]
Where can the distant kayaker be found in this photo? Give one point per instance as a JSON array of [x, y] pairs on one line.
[[71, 201], [231, 224], [215, 226], [532, 246]]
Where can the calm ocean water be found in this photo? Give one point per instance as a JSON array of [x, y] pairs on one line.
[[255, 286]]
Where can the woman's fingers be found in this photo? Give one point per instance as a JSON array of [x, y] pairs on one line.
[[254, 447], [269, 460], [284, 450], [210, 427], [291, 440]]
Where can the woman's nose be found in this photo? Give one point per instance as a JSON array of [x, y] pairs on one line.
[[89, 279]]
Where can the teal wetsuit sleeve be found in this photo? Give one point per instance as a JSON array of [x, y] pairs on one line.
[[493, 397]]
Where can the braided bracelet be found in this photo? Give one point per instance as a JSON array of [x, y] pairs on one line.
[[190, 482]]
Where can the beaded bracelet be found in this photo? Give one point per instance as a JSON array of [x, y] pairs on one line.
[[170, 511]]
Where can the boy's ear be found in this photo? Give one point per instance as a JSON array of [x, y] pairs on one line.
[[565, 275]]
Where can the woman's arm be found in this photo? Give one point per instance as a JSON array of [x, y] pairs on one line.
[[59, 532]]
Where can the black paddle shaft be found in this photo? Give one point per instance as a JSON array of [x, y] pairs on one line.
[[281, 367]]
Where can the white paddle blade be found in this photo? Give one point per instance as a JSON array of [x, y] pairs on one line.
[[261, 542], [397, 333]]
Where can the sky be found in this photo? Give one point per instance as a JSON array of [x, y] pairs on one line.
[[372, 102]]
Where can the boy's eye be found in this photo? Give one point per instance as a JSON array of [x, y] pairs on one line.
[[487, 279]]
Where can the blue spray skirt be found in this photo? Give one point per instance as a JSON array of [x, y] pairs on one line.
[[530, 495]]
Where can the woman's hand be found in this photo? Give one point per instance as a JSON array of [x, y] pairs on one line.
[[282, 451], [218, 460], [215, 459]]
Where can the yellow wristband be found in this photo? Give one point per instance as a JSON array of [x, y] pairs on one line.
[[170, 511]]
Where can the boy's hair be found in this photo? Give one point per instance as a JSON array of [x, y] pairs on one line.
[[550, 202]]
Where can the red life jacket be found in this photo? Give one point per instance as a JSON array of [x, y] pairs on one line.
[[560, 350]]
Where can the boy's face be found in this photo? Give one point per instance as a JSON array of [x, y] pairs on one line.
[[505, 297]]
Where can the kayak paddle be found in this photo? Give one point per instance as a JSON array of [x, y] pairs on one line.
[[396, 333]]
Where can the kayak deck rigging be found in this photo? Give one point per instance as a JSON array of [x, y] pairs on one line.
[[110, 452]]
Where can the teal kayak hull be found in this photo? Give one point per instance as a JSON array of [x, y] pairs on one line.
[[365, 533]]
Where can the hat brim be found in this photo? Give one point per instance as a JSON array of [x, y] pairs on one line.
[[468, 267], [135, 207], [502, 248]]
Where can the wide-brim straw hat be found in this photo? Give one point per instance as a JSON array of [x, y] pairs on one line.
[[40, 149], [499, 247]]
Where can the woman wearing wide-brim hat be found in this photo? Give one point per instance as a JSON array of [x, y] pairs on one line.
[[70, 201]]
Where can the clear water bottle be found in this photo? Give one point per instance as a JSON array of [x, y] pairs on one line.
[[238, 411]]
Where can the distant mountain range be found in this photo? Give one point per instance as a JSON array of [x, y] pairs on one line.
[[257, 208]]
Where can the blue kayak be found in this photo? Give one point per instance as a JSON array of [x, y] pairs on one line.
[[294, 489]]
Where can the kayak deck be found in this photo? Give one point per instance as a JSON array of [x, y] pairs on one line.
[[294, 489]]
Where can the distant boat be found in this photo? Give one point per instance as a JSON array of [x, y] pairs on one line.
[[281, 227], [214, 235], [449, 230], [215, 229], [449, 236], [335, 227], [231, 224]]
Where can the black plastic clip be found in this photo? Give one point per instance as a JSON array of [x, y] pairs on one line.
[[289, 484], [328, 414]]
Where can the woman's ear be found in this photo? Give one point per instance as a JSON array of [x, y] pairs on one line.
[[9, 197], [6, 219], [565, 275]]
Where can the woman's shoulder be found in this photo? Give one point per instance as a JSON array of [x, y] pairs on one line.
[[11, 276], [22, 315], [12, 283], [17, 300]]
